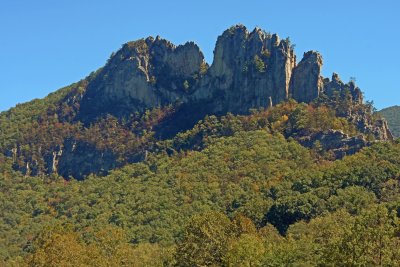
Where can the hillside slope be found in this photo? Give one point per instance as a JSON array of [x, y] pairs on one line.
[[252, 191], [392, 115]]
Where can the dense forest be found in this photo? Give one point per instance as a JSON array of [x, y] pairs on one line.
[[235, 190], [392, 115]]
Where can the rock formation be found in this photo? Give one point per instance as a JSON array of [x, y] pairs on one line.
[[79, 159], [143, 74], [249, 69], [335, 141], [337, 86], [306, 84]]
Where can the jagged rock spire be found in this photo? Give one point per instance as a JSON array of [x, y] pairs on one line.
[[306, 80]]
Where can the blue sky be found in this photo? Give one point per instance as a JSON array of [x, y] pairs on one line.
[[47, 44]]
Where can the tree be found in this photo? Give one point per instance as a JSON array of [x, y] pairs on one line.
[[246, 251], [205, 240], [57, 246], [366, 240], [259, 64]]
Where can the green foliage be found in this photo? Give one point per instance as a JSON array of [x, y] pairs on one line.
[[186, 85], [205, 240], [259, 64], [247, 250], [352, 198], [264, 176], [33, 132], [369, 239], [60, 246], [203, 68]]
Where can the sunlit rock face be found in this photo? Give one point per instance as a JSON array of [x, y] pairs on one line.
[[248, 69], [143, 74], [306, 84]]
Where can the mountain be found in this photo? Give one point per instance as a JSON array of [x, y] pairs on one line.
[[392, 115], [159, 159], [151, 90]]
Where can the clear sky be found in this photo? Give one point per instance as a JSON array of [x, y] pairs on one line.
[[48, 44]]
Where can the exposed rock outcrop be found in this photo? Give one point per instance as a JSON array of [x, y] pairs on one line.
[[336, 86], [376, 127], [381, 128], [143, 74], [307, 82], [392, 115], [79, 159], [339, 143], [248, 69]]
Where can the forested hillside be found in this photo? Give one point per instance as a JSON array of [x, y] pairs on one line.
[[392, 115], [252, 197]]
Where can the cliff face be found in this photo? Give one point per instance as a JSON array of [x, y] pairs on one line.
[[143, 74], [306, 84], [248, 69]]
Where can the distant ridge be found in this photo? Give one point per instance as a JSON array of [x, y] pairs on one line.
[[392, 115]]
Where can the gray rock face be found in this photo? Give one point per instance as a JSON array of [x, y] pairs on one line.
[[336, 86], [248, 69], [306, 80], [392, 115], [382, 131], [339, 143], [378, 128], [143, 74], [79, 159]]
